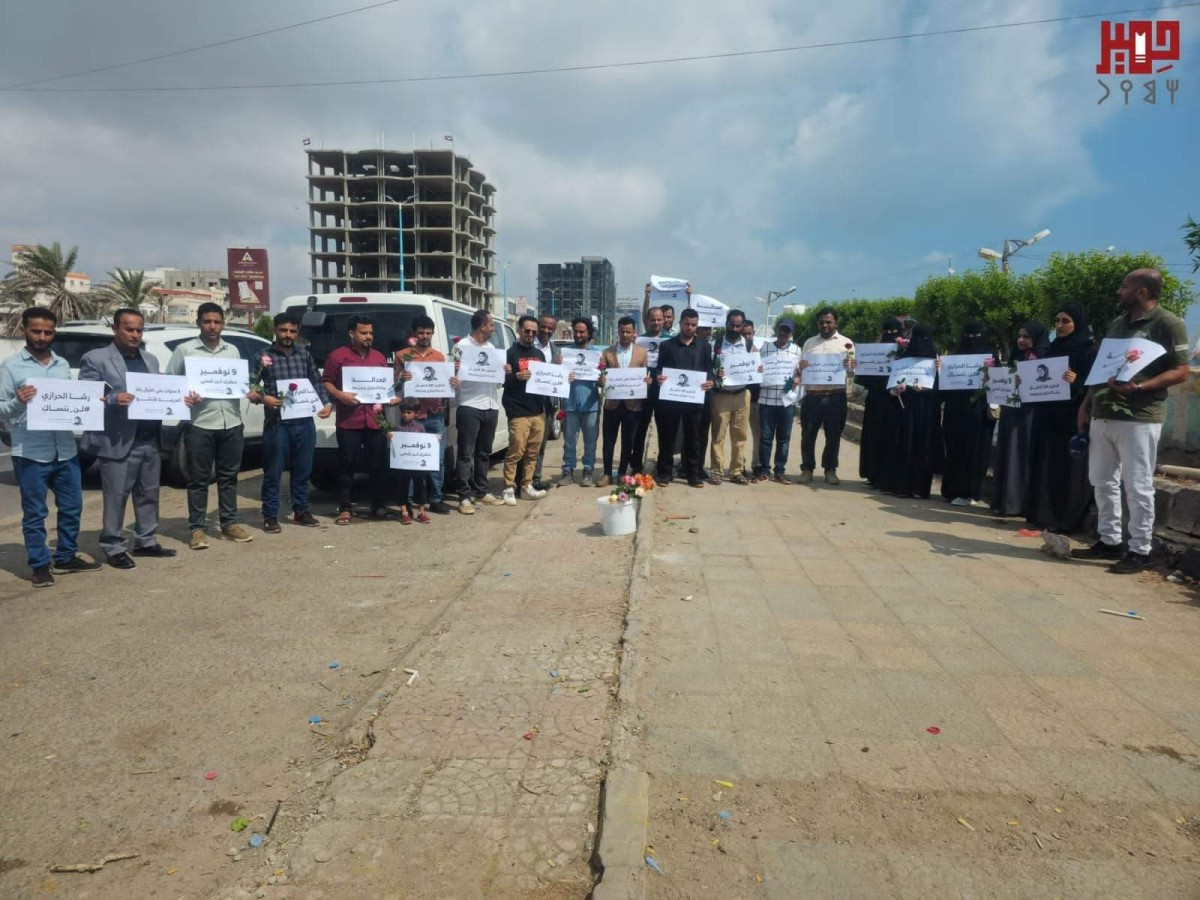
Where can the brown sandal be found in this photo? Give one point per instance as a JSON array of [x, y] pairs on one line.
[[343, 517]]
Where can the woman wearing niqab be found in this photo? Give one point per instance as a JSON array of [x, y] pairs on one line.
[[1011, 474], [967, 428]]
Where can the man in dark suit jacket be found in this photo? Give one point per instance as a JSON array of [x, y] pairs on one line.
[[128, 451]]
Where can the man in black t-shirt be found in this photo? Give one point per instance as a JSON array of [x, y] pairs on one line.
[[526, 414]]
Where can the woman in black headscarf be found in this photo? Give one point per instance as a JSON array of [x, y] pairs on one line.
[[878, 432], [908, 469], [1012, 442], [967, 427], [1059, 492]]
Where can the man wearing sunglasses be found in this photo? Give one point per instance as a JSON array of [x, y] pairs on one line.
[[526, 414]]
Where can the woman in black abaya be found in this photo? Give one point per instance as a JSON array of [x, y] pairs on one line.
[[967, 428], [908, 469], [1012, 442], [877, 434], [1059, 492]]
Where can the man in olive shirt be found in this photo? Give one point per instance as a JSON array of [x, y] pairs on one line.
[[1126, 420], [215, 437]]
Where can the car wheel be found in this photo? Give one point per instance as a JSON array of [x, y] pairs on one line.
[[176, 468], [556, 429], [324, 475]]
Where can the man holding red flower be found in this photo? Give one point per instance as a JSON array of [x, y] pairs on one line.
[[287, 442]]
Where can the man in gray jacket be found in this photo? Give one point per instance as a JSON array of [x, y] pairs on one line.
[[128, 451]]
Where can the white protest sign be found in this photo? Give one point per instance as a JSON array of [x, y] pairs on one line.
[[711, 310], [962, 371], [824, 369], [625, 384], [585, 364], [483, 364], [1116, 359], [913, 371], [301, 401], [669, 292], [369, 384], [778, 369], [740, 367], [683, 386], [414, 451], [1042, 380], [156, 397], [429, 380], [874, 359], [650, 345], [1002, 387], [62, 405], [217, 377], [548, 380]]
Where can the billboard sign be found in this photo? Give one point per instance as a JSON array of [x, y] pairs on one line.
[[249, 284]]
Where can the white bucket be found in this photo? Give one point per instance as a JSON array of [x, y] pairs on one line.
[[618, 518]]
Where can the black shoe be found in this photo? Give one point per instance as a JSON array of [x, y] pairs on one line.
[[74, 564], [1100, 550], [540, 485], [1130, 564], [306, 519], [441, 507], [42, 577], [271, 525], [156, 550], [122, 561]]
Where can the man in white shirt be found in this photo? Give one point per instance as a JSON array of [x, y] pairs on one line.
[[775, 412], [730, 409], [476, 417], [824, 406]]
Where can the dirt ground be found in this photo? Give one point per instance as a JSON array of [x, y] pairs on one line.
[[143, 712]]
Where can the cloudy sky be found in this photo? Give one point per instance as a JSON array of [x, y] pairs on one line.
[[848, 171]]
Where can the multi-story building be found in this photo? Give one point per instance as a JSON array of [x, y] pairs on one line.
[[412, 220], [584, 288], [213, 280], [632, 307]]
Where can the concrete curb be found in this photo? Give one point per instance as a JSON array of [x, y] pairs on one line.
[[625, 798]]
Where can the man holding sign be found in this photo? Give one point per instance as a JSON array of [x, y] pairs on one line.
[[43, 461], [1126, 417], [780, 379], [413, 363], [525, 411], [215, 437], [127, 451], [358, 428], [289, 440], [582, 404], [824, 405], [730, 404], [622, 414], [691, 358], [478, 412]]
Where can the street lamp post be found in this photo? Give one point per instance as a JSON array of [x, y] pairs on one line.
[[771, 297], [553, 301], [400, 229], [1011, 247]]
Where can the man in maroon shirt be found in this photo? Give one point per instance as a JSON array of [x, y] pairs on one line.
[[358, 431]]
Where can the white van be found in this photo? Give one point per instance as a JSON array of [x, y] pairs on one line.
[[325, 324]]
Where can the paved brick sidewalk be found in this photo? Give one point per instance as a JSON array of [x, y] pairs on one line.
[[485, 774], [827, 629]]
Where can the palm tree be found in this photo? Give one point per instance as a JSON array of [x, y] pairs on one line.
[[1191, 237], [125, 287], [14, 300], [41, 273]]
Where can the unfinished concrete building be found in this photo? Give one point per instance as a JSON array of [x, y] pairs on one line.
[[388, 220]]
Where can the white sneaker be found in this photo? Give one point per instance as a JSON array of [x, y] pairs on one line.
[[529, 492], [466, 507], [1056, 544], [510, 497], [490, 500], [978, 503], [961, 501]]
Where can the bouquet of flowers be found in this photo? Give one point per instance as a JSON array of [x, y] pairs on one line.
[[630, 487]]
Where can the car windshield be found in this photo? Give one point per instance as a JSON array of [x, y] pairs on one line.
[[393, 325], [71, 347]]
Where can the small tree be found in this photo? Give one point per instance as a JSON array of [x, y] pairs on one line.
[[126, 287], [859, 320], [1191, 237], [41, 272], [265, 327]]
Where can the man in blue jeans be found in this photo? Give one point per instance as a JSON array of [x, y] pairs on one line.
[[42, 460], [582, 406], [290, 442], [776, 414]]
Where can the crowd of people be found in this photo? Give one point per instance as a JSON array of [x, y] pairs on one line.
[[1043, 465]]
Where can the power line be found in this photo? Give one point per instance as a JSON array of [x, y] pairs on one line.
[[224, 43], [566, 69]]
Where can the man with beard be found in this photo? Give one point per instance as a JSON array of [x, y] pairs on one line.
[[688, 352], [358, 431], [431, 412], [43, 461], [127, 451], [288, 443], [216, 436], [824, 406]]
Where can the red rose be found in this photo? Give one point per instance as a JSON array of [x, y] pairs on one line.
[[293, 386]]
